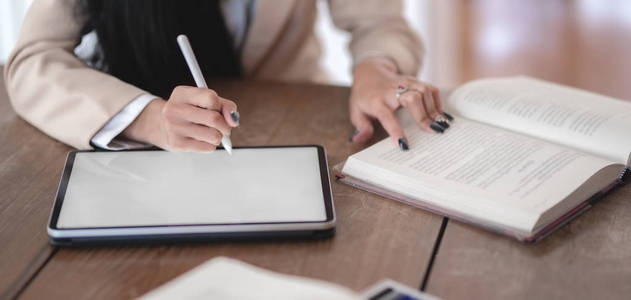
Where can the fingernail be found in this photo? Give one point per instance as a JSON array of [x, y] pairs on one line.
[[403, 144], [441, 121], [235, 116], [350, 139], [436, 127], [449, 117]]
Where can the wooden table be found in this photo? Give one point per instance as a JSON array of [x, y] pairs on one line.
[[376, 237], [568, 42], [590, 258]]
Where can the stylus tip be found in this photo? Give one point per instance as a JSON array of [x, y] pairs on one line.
[[227, 144]]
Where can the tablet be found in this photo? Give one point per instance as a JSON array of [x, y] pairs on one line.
[[155, 195]]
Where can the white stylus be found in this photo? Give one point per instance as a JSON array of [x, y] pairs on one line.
[[191, 61]]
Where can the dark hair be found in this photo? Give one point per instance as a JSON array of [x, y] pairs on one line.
[[137, 40]]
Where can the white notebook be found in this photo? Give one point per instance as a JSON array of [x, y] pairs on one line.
[[230, 279]]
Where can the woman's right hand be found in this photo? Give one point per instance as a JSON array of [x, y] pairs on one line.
[[192, 120]]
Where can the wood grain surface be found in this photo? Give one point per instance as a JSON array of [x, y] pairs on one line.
[[590, 258], [30, 166], [376, 238], [579, 43]]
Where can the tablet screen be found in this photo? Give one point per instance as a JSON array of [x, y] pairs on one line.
[[144, 188]]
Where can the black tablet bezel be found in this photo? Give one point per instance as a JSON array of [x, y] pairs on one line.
[[324, 179]]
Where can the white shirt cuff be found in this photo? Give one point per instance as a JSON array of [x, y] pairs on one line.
[[107, 137]]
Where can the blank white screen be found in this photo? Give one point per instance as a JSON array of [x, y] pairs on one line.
[[110, 189]]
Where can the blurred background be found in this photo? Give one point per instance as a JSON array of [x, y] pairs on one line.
[[582, 43]]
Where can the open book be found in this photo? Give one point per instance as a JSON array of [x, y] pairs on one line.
[[230, 279], [521, 158]]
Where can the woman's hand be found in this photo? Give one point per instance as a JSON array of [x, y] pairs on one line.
[[193, 119], [374, 96]]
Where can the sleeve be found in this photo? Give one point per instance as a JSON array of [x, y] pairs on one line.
[[51, 88], [107, 138], [378, 28]]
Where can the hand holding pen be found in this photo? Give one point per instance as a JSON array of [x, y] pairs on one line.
[[197, 120], [194, 119], [201, 119]]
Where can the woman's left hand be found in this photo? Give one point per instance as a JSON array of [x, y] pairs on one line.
[[374, 96]]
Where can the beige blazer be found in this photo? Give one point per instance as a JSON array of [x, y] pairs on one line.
[[56, 92]]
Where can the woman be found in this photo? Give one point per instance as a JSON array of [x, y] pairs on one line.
[[131, 90]]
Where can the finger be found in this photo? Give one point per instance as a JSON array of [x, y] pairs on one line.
[[391, 125], [197, 146], [439, 104], [199, 132], [201, 97], [412, 100], [363, 126], [187, 144], [425, 88], [187, 113], [230, 112], [414, 84], [437, 124], [436, 95], [430, 109], [430, 105], [422, 88]]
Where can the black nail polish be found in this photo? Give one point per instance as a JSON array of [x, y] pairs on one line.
[[403, 144], [235, 116], [350, 139], [436, 127], [449, 117]]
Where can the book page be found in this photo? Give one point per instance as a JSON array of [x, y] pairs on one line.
[[483, 171], [230, 279], [579, 119]]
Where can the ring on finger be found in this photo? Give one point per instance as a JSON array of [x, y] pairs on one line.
[[400, 91]]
